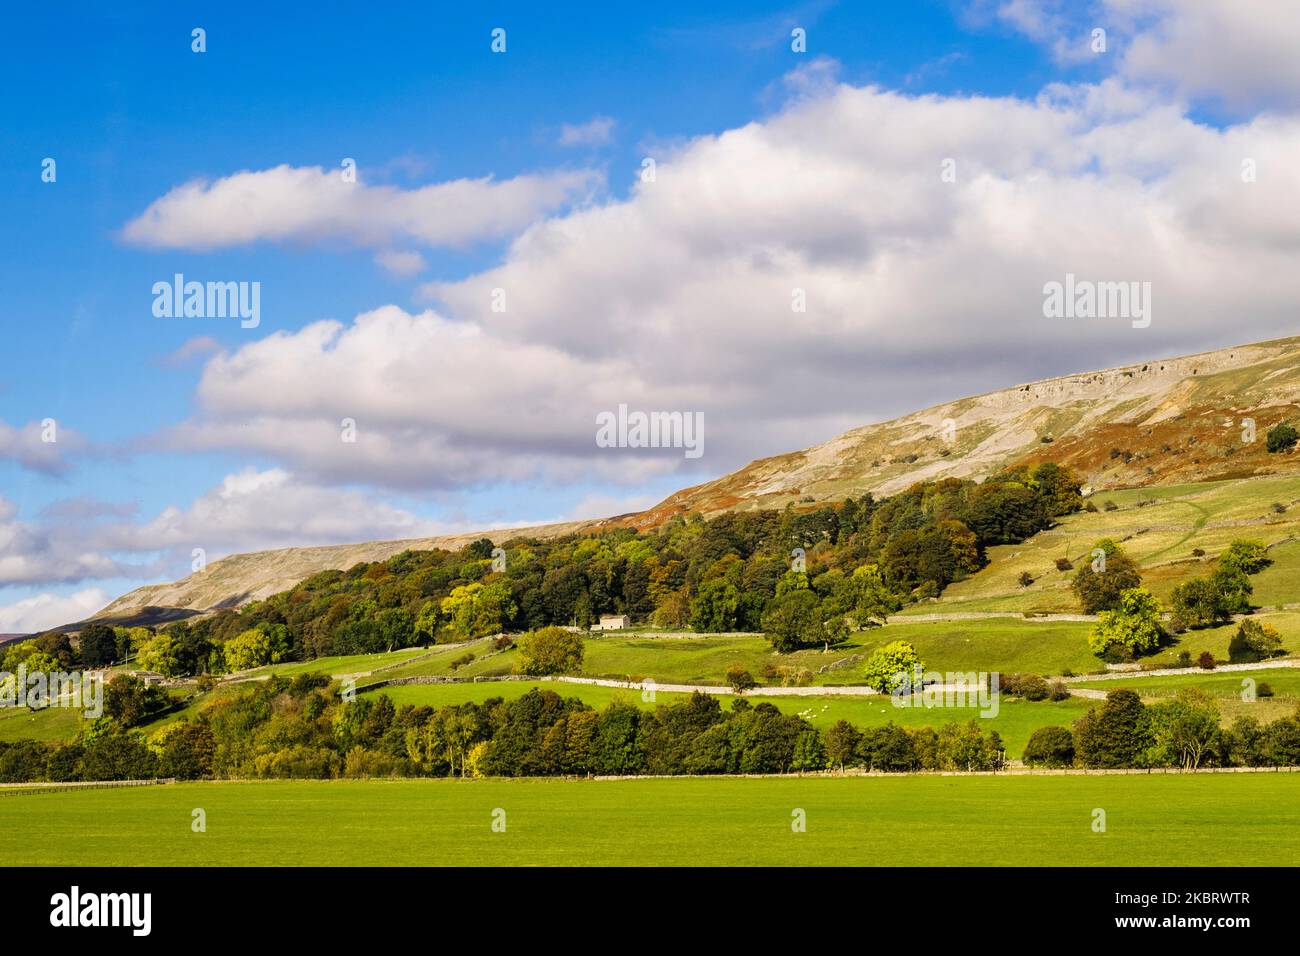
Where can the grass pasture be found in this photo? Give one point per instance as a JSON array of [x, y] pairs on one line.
[[1160, 820], [49, 723], [1159, 527], [998, 644], [1225, 685], [336, 666]]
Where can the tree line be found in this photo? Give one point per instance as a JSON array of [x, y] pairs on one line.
[[302, 727], [805, 577]]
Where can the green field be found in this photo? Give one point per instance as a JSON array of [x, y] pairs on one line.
[[1227, 685], [1280, 582], [54, 723], [50, 723], [1168, 820], [1009, 644], [1005, 645], [334, 666], [1016, 720], [1158, 527]]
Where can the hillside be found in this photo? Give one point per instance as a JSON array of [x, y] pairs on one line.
[[1162, 422], [1170, 420], [240, 578], [1162, 528]]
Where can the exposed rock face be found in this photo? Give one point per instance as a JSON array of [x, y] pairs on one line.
[[1154, 422], [1157, 422]]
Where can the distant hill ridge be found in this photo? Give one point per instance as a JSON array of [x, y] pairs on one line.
[[1158, 422]]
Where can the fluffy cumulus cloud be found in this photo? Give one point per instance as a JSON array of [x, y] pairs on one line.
[[42, 611], [1241, 53], [416, 401], [311, 204], [918, 231]]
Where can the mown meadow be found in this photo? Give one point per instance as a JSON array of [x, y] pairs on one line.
[[1150, 820]]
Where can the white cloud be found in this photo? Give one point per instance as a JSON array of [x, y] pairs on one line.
[[595, 132], [678, 298], [27, 445], [34, 614], [311, 204], [40, 553], [437, 404], [254, 510], [82, 539], [1238, 52], [401, 263], [1241, 51]]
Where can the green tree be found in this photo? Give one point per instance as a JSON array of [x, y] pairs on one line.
[[549, 650], [1050, 747], [1254, 641], [1184, 730], [1102, 578], [1058, 487], [891, 749], [118, 755], [185, 750], [809, 754], [614, 748], [250, 649], [1116, 734], [714, 607], [428, 620], [1250, 557], [163, 654], [1281, 437], [841, 743], [58, 646], [1198, 603], [739, 679], [129, 701], [1234, 588], [892, 666], [871, 602], [1242, 743], [23, 761], [477, 610], [98, 645], [1280, 746], [963, 746], [1134, 626], [794, 620]]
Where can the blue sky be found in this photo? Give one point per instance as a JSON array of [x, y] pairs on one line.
[[580, 98]]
